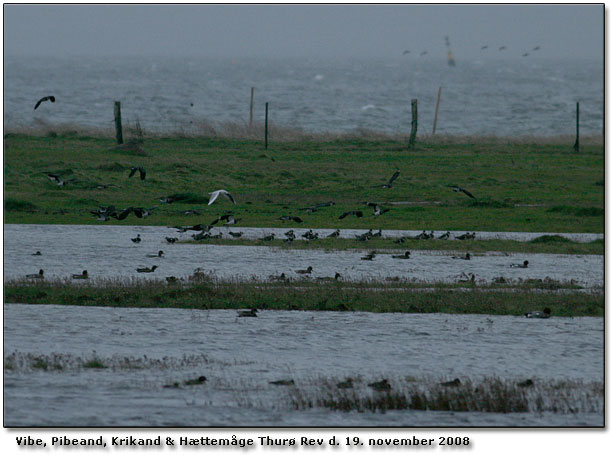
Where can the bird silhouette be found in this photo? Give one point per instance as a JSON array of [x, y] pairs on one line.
[[44, 98]]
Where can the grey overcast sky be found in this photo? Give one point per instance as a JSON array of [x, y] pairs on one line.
[[303, 30]]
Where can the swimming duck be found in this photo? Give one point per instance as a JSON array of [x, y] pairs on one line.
[[43, 99], [466, 257], [38, 253], [452, 383], [215, 194], [369, 257], [402, 256], [283, 382], [38, 275], [334, 234], [146, 269], [199, 380], [546, 313], [139, 169], [252, 313], [281, 277], [137, 239], [468, 278], [305, 272], [328, 278], [380, 385], [524, 265], [171, 239], [158, 255], [390, 181], [235, 234], [82, 276]]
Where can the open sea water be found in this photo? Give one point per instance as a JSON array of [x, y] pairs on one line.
[[527, 96]]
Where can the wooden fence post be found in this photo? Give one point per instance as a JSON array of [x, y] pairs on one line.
[[576, 146], [252, 103], [412, 137], [266, 109], [118, 126], [436, 110]]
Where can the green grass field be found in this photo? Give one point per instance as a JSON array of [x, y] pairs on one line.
[[532, 187]]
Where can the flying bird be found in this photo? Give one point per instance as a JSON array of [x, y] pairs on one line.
[[55, 178], [215, 194], [356, 213], [45, 98], [377, 209], [405, 52], [423, 53], [138, 169], [458, 189], [484, 47], [389, 184], [502, 48], [536, 48]]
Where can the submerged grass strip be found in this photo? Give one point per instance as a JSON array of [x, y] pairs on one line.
[[555, 245], [379, 297], [490, 394]]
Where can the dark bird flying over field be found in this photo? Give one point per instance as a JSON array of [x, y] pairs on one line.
[[389, 184], [44, 98], [138, 169], [458, 189]]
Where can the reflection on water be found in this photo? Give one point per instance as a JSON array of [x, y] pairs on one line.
[[107, 251], [239, 356]]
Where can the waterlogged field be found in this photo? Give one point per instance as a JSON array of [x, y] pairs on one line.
[[537, 186], [119, 349], [90, 366]]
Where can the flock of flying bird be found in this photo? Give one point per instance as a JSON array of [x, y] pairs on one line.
[[482, 48]]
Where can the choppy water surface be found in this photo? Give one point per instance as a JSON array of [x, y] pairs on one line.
[[107, 251], [239, 356], [512, 97]]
